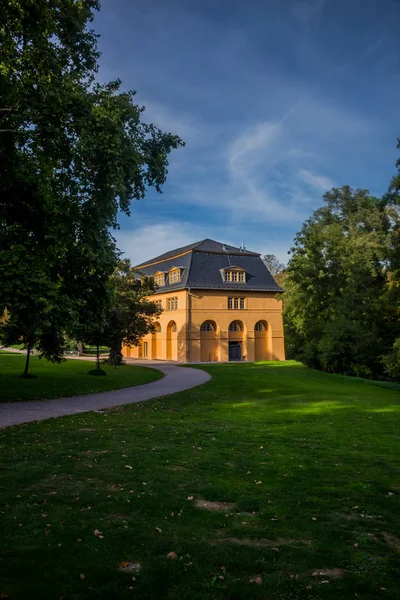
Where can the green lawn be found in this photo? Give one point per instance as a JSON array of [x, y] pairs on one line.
[[66, 379], [308, 464]]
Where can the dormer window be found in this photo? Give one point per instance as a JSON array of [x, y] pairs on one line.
[[234, 276], [175, 276], [159, 279]]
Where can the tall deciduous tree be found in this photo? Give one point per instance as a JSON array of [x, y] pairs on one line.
[[273, 264], [337, 314], [73, 154], [132, 313], [392, 198]]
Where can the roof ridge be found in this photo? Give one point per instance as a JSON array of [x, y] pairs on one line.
[[205, 245]]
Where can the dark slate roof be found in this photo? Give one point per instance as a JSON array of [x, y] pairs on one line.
[[184, 262], [203, 246], [201, 265]]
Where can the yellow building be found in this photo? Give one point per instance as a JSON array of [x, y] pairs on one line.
[[219, 304]]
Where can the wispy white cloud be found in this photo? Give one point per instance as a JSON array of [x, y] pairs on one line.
[[318, 182], [151, 240], [170, 120]]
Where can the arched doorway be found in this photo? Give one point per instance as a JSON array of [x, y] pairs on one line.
[[209, 343], [155, 341], [261, 334], [172, 341], [236, 331]]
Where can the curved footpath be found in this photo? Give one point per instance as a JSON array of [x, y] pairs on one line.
[[176, 379]]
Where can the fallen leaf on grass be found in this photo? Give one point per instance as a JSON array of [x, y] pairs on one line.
[[128, 467], [82, 576], [356, 545], [172, 555], [256, 579], [313, 518], [159, 530], [190, 498]]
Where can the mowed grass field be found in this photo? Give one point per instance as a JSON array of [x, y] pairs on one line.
[[270, 482], [68, 378]]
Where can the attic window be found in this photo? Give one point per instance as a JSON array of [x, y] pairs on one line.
[[235, 276], [159, 279], [175, 276]]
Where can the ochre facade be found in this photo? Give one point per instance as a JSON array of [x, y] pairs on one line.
[[203, 329]]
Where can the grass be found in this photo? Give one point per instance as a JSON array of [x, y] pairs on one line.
[[65, 379], [308, 462]]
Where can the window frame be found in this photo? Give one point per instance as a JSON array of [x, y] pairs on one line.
[[209, 327], [161, 277], [172, 303], [236, 303], [174, 276], [234, 276], [236, 325]]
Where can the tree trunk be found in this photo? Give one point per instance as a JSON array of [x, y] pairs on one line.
[[98, 357], [115, 356], [28, 354]]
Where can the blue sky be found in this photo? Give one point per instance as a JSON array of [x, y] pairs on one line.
[[277, 100]]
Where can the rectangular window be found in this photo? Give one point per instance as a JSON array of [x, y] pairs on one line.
[[159, 280], [158, 303], [172, 303], [174, 276], [145, 349], [235, 276], [236, 303]]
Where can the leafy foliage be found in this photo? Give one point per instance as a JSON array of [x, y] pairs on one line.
[[131, 314], [72, 154], [340, 311]]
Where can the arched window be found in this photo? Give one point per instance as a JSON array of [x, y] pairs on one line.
[[260, 326], [157, 328], [235, 326], [207, 326], [174, 328]]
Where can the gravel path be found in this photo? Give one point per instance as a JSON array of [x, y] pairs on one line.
[[176, 379]]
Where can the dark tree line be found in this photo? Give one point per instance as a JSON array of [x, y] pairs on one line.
[[342, 304]]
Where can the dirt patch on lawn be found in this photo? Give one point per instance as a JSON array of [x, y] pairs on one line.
[[130, 567], [86, 429], [332, 573], [218, 506], [392, 541], [263, 543]]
